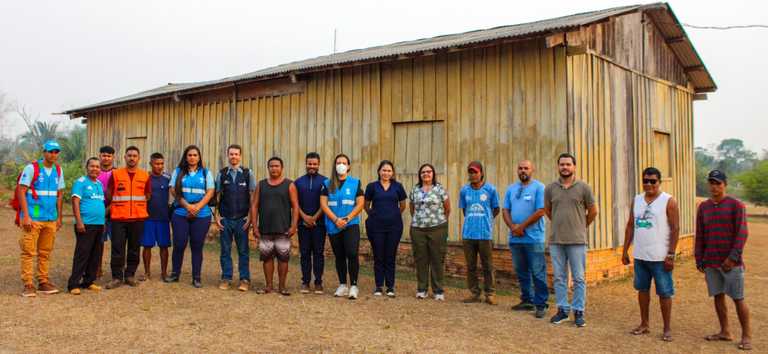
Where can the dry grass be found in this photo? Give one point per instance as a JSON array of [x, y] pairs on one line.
[[158, 317]]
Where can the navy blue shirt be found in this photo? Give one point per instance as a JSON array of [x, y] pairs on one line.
[[308, 188], [385, 213], [157, 206]]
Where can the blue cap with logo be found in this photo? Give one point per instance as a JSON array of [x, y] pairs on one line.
[[717, 175], [51, 145]]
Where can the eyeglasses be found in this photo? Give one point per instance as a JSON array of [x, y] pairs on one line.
[[651, 181], [519, 191], [426, 172]]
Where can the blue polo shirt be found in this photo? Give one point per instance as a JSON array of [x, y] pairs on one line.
[[479, 205], [308, 188], [530, 199], [157, 206], [385, 213], [91, 194]]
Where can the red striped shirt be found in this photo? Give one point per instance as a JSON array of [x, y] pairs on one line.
[[721, 232]]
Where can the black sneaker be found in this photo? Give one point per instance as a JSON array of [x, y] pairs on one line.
[[541, 311], [173, 278], [579, 319], [378, 292], [560, 316], [197, 283], [390, 292], [524, 306]]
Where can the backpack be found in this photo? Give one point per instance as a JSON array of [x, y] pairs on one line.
[[15, 204], [246, 174]]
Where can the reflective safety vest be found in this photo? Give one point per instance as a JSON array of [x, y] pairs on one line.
[[128, 197], [342, 202]]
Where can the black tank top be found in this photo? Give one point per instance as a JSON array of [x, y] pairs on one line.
[[274, 207]]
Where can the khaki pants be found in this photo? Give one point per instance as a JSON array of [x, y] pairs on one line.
[[471, 249], [37, 242], [429, 249]]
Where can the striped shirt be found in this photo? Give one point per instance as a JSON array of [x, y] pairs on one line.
[[721, 232]]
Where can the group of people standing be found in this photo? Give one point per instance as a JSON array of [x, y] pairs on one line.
[[131, 206]]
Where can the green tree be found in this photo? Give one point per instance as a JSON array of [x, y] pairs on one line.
[[73, 145], [754, 183]]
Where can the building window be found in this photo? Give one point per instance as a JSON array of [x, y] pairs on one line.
[[417, 143], [662, 158]]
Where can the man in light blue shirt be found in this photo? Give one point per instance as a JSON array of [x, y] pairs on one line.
[[90, 224], [479, 202], [523, 212]]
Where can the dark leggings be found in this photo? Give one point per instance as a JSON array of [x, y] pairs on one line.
[[346, 247], [192, 231], [384, 247]]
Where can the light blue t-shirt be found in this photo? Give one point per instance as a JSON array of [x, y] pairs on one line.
[[26, 175], [210, 183], [91, 196], [479, 204], [530, 199]]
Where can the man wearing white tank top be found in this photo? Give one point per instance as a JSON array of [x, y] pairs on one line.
[[654, 226]]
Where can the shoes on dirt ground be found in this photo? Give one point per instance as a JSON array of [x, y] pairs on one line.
[[319, 290], [390, 292], [579, 319], [244, 284], [131, 281], [378, 292], [491, 300], [47, 288], [473, 298], [225, 284], [304, 289], [353, 293], [93, 287], [341, 291], [439, 297], [524, 306], [541, 311], [196, 282], [75, 291], [173, 278], [29, 291], [114, 284], [560, 316], [422, 294]]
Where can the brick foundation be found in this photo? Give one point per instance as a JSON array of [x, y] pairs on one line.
[[601, 265]]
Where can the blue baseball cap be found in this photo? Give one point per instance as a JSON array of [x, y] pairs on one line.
[[51, 145]]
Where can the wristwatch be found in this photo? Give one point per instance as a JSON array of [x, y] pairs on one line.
[[671, 256]]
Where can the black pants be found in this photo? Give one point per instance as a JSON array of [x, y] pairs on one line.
[[346, 247], [88, 250], [312, 248], [384, 247], [126, 233]]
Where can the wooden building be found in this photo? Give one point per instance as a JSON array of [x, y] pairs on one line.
[[613, 87]]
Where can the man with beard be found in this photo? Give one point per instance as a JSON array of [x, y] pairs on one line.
[[571, 206], [235, 185], [128, 191], [523, 212], [312, 229]]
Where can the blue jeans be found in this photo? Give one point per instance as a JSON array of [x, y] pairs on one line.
[[647, 271], [576, 256], [234, 227], [530, 263]]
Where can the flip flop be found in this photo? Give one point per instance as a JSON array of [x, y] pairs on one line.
[[743, 346], [263, 291], [717, 337], [638, 331], [285, 292], [143, 278], [667, 337]]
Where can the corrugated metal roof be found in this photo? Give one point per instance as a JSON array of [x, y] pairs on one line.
[[687, 53]]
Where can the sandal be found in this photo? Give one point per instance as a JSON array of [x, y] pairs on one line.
[[143, 278], [285, 292], [745, 346], [717, 337], [263, 291], [639, 331], [667, 337]]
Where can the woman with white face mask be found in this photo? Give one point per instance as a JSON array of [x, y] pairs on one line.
[[341, 199]]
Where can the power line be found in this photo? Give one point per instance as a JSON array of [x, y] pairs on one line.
[[710, 27]]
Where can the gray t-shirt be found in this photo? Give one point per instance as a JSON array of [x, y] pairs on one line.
[[569, 210]]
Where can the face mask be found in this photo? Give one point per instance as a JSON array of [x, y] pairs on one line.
[[341, 169]]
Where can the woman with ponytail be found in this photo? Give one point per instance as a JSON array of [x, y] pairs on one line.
[[341, 199]]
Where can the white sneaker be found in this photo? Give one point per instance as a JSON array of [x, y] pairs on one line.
[[353, 293], [421, 295], [439, 297], [341, 291]]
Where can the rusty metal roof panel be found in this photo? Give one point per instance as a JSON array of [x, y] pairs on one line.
[[404, 48]]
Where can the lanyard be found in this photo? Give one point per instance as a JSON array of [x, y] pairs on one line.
[[424, 194]]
